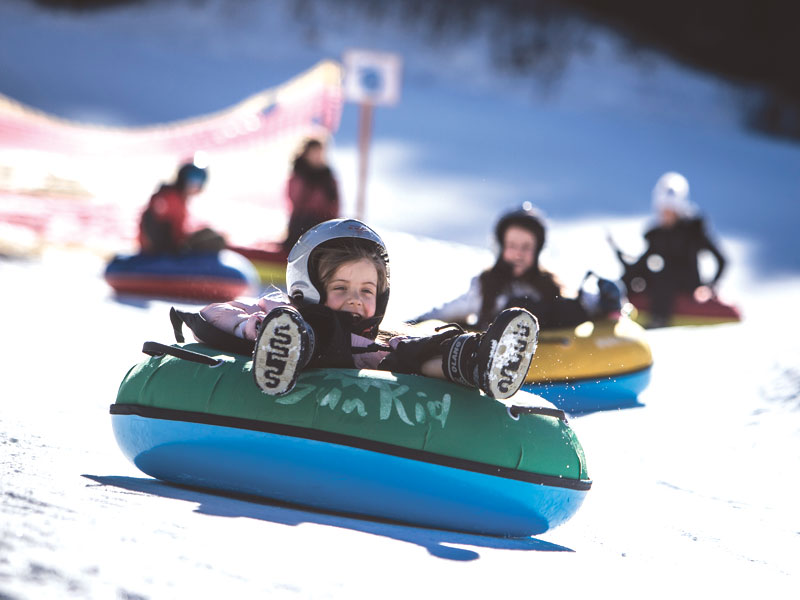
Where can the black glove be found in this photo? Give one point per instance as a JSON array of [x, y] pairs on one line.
[[411, 354]]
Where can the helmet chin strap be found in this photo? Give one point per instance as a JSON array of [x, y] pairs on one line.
[[367, 327]]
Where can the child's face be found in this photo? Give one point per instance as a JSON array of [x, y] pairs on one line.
[[519, 248], [668, 217], [315, 156], [353, 287], [193, 188]]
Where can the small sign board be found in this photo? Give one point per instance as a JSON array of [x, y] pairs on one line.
[[372, 77]]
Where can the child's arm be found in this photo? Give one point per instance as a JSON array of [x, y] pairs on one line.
[[368, 360], [460, 308], [239, 318], [229, 316]]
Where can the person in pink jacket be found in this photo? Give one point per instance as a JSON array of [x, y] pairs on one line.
[[312, 191], [338, 282]]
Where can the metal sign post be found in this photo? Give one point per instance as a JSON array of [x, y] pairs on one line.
[[370, 78], [364, 136]]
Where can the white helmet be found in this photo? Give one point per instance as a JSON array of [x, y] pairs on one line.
[[302, 280], [672, 192]]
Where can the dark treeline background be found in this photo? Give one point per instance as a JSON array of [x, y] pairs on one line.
[[752, 43]]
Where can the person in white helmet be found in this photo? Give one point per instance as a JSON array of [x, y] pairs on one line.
[[669, 265], [338, 282]]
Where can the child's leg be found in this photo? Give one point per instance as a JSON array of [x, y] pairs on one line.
[[283, 347], [293, 338], [505, 352], [495, 361]]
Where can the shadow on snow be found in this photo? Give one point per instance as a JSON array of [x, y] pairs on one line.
[[436, 542]]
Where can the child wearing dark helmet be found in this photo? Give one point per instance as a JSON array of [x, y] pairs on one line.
[[518, 280], [338, 280], [162, 227]]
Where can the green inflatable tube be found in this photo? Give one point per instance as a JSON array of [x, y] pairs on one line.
[[430, 422]]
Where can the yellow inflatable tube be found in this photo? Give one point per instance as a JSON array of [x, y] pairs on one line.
[[592, 350], [598, 365]]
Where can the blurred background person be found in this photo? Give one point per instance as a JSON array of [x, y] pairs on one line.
[[518, 280], [669, 265], [312, 191], [163, 225]]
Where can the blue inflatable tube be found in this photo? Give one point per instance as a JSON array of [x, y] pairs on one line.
[[341, 478], [214, 276], [383, 445], [590, 395]]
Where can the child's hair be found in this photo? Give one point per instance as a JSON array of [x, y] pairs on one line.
[[332, 257], [306, 145]]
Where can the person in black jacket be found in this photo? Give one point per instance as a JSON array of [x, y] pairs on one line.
[[669, 266], [518, 280]]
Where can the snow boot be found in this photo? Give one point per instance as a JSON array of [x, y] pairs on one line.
[[497, 360], [285, 344]]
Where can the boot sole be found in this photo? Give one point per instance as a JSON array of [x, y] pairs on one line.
[[507, 349], [279, 352]]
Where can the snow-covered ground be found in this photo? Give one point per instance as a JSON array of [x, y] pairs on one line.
[[694, 493]]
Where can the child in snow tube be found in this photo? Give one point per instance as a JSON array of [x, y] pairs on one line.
[[669, 266], [338, 282], [518, 280], [162, 227]]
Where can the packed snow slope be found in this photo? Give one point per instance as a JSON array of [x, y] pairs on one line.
[[694, 492]]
